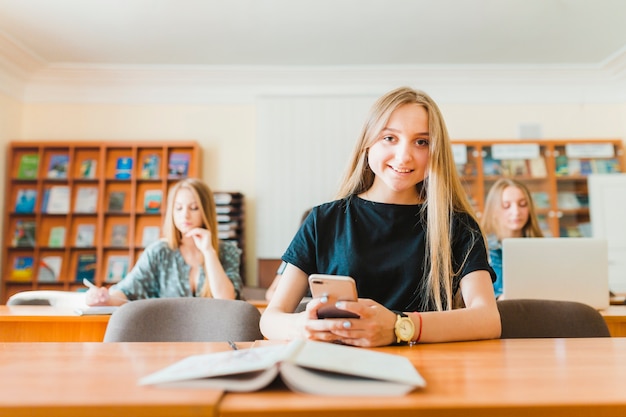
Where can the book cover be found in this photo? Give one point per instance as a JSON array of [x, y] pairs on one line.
[[25, 200], [178, 165], [119, 235], [24, 235], [86, 200], [28, 167], [124, 168], [117, 268], [537, 167], [150, 167], [85, 235], [491, 166], [57, 237], [86, 267], [562, 165], [152, 201], [116, 201], [318, 368], [57, 200], [541, 199], [88, 168], [49, 269], [22, 269], [150, 234], [57, 167]]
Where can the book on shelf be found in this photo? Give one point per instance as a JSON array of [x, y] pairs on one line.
[[25, 200], [88, 169], [116, 201], [86, 267], [537, 167], [306, 366], [28, 167], [514, 167], [178, 165], [49, 268], [57, 237], [57, 167], [56, 200], [541, 199], [119, 235], [117, 268], [561, 165], [152, 201], [22, 270], [24, 234], [574, 166], [567, 200], [124, 168], [222, 198], [86, 200], [491, 166], [150, 166], [85, 234], [150, 234]]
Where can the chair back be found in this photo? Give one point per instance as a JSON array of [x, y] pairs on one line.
[[184, 319], [523, 318]]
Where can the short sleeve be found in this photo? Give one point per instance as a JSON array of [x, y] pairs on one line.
[[230, 258]]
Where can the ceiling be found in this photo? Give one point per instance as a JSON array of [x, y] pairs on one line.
[[314, 33]]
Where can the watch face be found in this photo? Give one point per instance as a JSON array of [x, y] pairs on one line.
[[405, 329]]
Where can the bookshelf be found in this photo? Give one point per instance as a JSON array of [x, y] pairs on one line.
[[555, 172], [231, 221], [85, 209]]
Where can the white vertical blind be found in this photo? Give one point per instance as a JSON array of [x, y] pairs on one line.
[[302, 150]]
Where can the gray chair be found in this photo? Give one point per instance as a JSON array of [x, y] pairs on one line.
[[549, 318], [184, 319]]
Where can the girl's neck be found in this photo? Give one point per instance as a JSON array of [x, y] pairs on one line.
[[381, 194]]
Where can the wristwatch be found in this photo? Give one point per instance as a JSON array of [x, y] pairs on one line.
[[404, 328]]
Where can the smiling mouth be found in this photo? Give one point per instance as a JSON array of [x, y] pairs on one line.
[[402, 170]]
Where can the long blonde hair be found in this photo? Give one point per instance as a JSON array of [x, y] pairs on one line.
[[204, 196], [442, 191], [490, 221]]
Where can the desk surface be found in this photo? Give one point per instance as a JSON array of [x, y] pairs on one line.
[[516, 377]]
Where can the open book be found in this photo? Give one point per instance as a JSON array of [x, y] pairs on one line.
[[305, 366]]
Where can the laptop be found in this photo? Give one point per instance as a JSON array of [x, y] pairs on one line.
[[569, 269]]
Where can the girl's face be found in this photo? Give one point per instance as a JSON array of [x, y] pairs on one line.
[[187, 213], [514, 212], [399, 156]]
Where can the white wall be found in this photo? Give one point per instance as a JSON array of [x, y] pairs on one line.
[[286, 151]]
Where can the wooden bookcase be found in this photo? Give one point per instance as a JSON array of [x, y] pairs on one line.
[[53, 197], [555, 171], [231, 221]]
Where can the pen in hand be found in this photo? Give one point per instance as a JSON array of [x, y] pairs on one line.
[[91, 285]]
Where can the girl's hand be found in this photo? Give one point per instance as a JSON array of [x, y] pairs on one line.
[[375, 327], [201, 238], [97, 297]]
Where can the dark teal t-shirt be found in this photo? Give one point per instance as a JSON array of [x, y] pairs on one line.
[[381, 246]]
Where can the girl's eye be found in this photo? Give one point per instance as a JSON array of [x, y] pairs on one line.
[[388, 138], [422, 142]]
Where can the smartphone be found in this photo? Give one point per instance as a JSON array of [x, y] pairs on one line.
[[336, 287]]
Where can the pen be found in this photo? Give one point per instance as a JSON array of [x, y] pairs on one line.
[[88, 283], [233, 345]]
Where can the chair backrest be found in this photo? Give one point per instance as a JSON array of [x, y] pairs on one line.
[[184, 319], [549, 318]]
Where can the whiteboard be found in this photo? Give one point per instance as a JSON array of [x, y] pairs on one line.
[[607, 205]]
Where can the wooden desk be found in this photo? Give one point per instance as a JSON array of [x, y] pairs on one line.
[[515, 377], [512, 378], [24, 323], [97, 380], [615, 318]]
